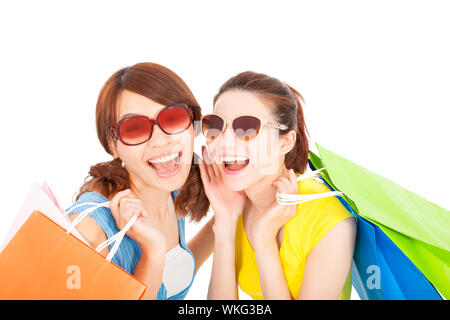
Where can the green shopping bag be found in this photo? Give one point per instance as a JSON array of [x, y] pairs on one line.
[[418, 227]]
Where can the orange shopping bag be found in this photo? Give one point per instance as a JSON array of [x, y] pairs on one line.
[[45, 261]]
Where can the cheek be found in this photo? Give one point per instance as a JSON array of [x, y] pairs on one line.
[[132, 157], [264, 152], [130, 154], [186, 140], [264, 147]]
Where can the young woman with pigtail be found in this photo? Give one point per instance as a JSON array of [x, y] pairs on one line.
[[145, 120], [257, 149]]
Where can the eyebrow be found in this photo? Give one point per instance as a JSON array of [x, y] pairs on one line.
[[126, 115]]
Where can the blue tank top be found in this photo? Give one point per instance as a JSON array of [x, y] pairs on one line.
[[129, 251]]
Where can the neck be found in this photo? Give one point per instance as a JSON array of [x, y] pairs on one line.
[[154, 200], [262, 194]]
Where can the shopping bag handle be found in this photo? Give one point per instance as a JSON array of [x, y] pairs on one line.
[[82, 215], [117, 238], [287, 199]]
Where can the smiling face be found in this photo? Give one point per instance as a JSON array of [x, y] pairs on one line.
[[164, 161], [244, 163]]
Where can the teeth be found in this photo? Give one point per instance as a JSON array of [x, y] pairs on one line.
[[164, 159], [232, 159]]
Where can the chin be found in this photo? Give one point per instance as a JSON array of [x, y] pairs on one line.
[[236, 183], [177, 181]]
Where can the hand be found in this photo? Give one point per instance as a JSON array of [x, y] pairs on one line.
[[263, 230], [228, 205], [123, 206]]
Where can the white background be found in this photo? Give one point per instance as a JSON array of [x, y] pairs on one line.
[[374, 74]]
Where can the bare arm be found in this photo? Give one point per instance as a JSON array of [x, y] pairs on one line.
[[326, 269], [228, 206], [202, 244], [149, 270], [329, 263], [91, 231], [271, 276], [223, 285]]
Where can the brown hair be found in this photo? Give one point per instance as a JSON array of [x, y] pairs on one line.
[[159, 84], [286, 105]]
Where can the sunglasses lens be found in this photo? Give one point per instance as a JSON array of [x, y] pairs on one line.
[[212, 126], [246, 127], [174, 120], [135, 130]]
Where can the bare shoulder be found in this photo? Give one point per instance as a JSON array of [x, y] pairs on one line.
[[329, 263], [344, 232]]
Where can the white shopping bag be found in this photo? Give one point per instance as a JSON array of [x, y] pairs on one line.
[[40, 199]]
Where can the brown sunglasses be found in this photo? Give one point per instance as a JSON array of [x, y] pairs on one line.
[[244, 127]]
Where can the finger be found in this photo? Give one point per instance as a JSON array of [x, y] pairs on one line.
[[281, 187], [114, 203], [217, 171], [215, 165], [276, 181], [282, 214], [285, 180], [204, 155], [134, 202], [128, 210], [203, 172], [133, 210], [119, 195], [282, 177], [207, 161], [285, 184]]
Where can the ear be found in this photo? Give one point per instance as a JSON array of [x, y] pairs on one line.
[[287, 142]]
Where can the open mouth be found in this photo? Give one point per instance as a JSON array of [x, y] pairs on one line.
[[166, 166], [234, 164]]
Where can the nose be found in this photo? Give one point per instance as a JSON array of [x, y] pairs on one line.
[[228, 136], [229, 142], [159, 138]]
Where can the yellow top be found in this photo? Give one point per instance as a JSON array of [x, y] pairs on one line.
[[313, 221]]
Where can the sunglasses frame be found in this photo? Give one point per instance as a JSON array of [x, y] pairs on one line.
[[114, 132], [270, 123]]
